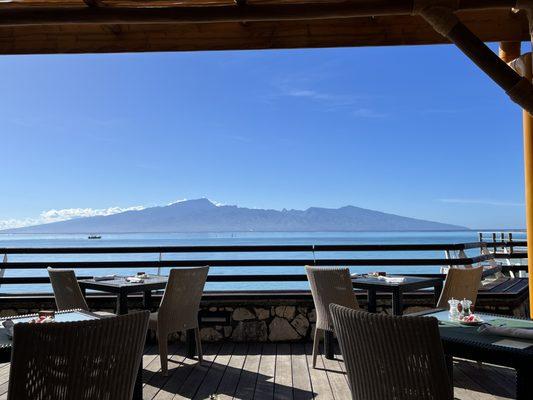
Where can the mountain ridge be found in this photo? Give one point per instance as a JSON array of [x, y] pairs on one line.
[[201, 215]]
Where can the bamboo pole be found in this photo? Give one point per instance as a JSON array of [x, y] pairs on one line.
[[528, 172], [510, 51], [445, 21]]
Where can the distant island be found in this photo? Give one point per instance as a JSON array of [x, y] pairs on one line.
[[202, 215]]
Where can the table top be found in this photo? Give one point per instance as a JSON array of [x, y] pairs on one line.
[[468, 336], [61, 316], [409, 282], [120, 284]]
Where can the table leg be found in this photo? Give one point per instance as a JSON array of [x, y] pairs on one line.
[[437, 292], [524, 389], [147, 300], [329, 352], [122, 303], [372, 302], [190, 343], [397, 302]]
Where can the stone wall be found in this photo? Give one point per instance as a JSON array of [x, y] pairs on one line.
[[296, 322], [262, 324], [275, 320]]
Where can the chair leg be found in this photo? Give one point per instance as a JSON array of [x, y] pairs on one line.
[[162, 341], [316, 342], [198, 344]]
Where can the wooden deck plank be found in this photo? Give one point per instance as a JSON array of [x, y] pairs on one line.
[[248, 379], [283, 371], [231, 376], [319, 378], [216, 372], [177, 377], [195, 378], [152, 361], [337, 379], [264, 388], [283, 377], [301, 380], [157, 381]]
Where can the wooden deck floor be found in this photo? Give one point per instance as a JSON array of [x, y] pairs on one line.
[[283, 371]]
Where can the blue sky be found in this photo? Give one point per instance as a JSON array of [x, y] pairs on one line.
[[417, 131]]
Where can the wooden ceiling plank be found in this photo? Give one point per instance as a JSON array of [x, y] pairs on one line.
[[224, 13], [489, 25]]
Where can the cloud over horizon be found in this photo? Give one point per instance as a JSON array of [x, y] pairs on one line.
[[50, 216]]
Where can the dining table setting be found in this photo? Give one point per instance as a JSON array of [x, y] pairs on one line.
[[488, 338]]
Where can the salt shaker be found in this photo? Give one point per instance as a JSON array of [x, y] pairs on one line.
[[465, 308], [454, 309]]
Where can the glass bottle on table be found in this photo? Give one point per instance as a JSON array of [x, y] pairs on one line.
[[466, 306], [454, 309]]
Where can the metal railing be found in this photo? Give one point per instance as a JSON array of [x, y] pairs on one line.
[[317, 253]]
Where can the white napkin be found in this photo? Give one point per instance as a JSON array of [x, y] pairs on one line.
[[133, 279], [392, 279], [520, 333]]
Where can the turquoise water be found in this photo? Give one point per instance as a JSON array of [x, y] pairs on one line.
[[255, 238]]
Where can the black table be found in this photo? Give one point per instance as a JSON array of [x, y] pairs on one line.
[[373, 285], [61, 316], [121, 287], [411, 283], [465, 342]]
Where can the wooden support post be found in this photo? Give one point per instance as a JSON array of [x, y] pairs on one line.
[[528, 172], [509, 53]]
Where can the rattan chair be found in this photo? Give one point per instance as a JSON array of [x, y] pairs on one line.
[[179, 309], [461, 283], [328, 286], [89, 360], [392, 358], [67, 291]]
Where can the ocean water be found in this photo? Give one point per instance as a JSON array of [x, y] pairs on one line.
[[255, 238]]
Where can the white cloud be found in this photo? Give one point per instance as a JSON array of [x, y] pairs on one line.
[[486, 202], [310, 94], [64, 214], [333, 101]]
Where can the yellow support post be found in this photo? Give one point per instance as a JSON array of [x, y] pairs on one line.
[[510, 51], [528, 172]]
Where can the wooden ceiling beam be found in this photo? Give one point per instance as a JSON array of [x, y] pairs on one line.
[[489, 25], [244, 12]]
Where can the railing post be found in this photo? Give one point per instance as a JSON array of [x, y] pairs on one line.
[[159, 266], [2, 270]]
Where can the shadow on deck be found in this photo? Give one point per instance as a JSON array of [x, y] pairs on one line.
[[283, 371]]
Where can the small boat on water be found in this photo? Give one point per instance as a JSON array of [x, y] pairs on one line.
[[94, 237]]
